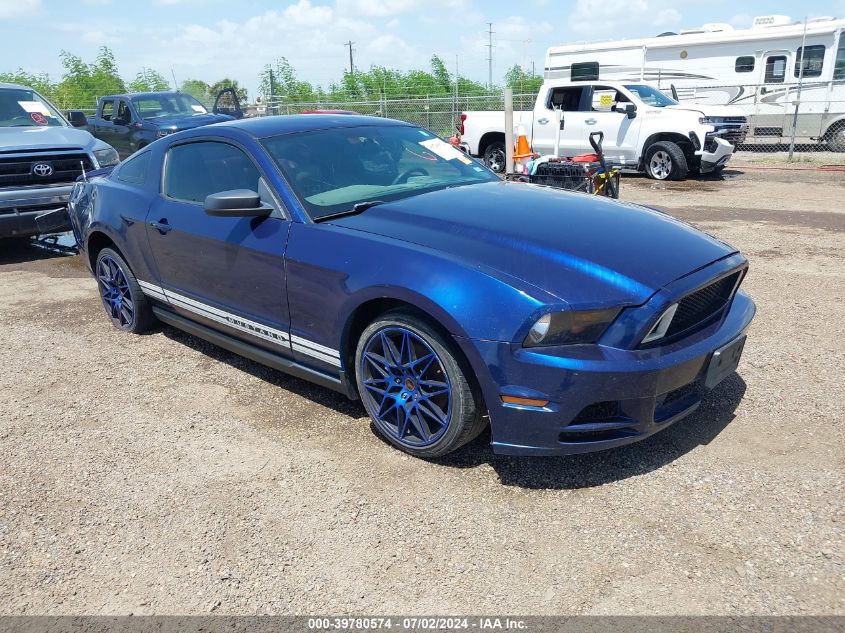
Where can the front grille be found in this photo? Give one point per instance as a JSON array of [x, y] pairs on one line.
[[18, 171], [703, 306]]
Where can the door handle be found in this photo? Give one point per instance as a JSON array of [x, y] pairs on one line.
[[590, 121], [542, 121], [161, 226]]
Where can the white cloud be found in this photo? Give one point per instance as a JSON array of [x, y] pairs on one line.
[[11, 9], [593, 19], [386, 8], [99, 38]]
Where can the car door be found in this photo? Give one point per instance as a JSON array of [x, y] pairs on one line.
[[226, 272], [771, 107], [103, 126], [572, 141], [122, 128], [604, 114]]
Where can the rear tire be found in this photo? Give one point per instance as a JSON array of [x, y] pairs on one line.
[[415, 388], [494, 157], [125, 303], [835, 137], [665, 160]]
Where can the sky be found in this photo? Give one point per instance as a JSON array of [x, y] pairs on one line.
[[212, 39]]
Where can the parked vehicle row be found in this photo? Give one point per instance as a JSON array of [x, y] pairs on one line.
[[369, 256], [643, 128]]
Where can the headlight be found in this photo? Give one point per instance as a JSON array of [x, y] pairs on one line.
[[106, 157], [569, 328], [710, 120]]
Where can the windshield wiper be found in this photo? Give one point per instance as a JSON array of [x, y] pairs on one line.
[[358, 207]]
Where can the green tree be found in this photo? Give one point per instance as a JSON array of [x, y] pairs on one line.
[[82, 83], [278, 82], [148, 80], [196, 88], [522, 81], [40, 82], [215, 88]]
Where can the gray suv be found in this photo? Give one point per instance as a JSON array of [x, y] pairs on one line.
[[41, 156]]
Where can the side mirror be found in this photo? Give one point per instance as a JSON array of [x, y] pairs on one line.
[[77, 118], [237, 203], [630, 110]]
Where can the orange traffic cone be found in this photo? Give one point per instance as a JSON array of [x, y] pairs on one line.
[[523, 148]]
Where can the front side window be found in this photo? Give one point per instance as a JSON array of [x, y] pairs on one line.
[[124, 115], [107, 110], [196, 170], [332, 170], [775, 69], [839, 66], [606, 99], [651, 96], [159, 106], [744, 64], [812, 62], [21, 107], [134, 170], [585, 71]]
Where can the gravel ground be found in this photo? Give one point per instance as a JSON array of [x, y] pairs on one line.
[[159, 474]]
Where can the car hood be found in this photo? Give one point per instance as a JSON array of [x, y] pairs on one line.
[[580, 248], [42, 137], [709, 110], [188, 122]]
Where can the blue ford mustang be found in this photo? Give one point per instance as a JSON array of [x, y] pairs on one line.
[[369, 256]]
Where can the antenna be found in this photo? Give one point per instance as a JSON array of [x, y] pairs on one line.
[[84, 175]]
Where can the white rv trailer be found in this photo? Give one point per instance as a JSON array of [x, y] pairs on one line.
[[758, 69]]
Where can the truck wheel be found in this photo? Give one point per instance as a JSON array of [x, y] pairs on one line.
[[664, 160], [414, 387], [836, 137], [494, 157]]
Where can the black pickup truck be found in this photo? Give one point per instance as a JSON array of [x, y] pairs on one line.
[[129, 122]]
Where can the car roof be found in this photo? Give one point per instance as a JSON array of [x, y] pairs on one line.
[[262, 127], [129, 95], [15, 86]]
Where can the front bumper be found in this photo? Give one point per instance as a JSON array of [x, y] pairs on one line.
[[20, 210], [720, 154], [632, 393]]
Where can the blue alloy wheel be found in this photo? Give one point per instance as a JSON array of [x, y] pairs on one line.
[[406, 387], [115, 292]]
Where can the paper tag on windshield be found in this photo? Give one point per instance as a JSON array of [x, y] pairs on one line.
[[198, 108], [442, 149], [34, 106]]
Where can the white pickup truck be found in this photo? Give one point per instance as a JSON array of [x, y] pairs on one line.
[[643, 128]]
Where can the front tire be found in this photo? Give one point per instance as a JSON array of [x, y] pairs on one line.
[[665, 160], [125, 303], [414, 387], [494, 157]]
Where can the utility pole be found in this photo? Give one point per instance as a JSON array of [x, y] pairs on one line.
[[272, 92], [490, 55], [351, 64]]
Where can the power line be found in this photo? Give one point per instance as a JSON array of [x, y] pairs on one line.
[[351, 63]]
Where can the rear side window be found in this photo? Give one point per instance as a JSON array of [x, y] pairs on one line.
[[744, 64], [812, 62], [567, 99], [196, 170], [134, 170], [107, 111], [839, 67], [775, 69], [585, 71]]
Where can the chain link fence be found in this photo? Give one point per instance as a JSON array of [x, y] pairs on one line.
[[819, 120]]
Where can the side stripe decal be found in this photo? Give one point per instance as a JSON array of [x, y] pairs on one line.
[[273, 335]]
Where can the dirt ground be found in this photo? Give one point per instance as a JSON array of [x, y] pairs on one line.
[[159, 474]]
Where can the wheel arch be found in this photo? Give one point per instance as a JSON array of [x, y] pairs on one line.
[[98, 240], [674, 137], [487, 139], [369, 308]]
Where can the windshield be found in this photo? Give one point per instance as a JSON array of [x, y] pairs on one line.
[[167, 105], [651, 96], [332, 170], [21, 107]]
